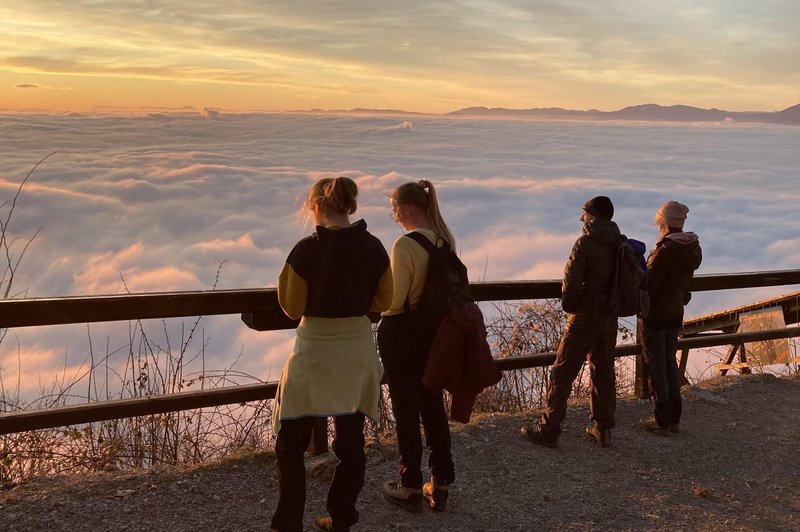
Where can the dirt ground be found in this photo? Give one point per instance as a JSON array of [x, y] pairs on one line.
[[734, 466]]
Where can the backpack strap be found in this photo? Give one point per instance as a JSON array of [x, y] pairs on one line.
[[423, 241]]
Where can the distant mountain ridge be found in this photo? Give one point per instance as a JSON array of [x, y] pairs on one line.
[[643, 113]]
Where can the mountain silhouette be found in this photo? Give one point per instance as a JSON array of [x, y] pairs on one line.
[[644, 113]]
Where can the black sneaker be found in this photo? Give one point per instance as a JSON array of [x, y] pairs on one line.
[[599, 434], [407, 498], [537, 436], [326, 524], [651, 425]]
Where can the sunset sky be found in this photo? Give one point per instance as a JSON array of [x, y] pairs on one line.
[[437, 57]]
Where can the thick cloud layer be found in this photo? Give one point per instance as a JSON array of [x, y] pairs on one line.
[[158, 203]]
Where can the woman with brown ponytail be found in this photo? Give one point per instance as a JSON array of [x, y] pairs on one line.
[[404, 345], [331, 280]]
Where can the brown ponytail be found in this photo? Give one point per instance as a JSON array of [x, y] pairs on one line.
[[333, 195]]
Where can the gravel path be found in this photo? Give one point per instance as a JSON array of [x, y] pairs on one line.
[[733, 467]]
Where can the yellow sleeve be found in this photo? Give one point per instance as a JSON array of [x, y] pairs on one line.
[[383, 295], [292, 292], [402, 266]]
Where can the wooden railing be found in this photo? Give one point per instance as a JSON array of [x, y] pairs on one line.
[[260, 310]]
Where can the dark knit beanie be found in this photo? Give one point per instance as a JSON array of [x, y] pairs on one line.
[[600, 207]]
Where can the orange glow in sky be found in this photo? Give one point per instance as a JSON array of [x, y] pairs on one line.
[[416, 56]]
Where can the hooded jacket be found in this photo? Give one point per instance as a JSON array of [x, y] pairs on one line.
[[590, 269], [670, 269]]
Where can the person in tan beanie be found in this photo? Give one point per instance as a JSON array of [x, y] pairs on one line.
[[672, 214], [670, 268]]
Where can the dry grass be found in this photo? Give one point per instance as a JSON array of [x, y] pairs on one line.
[[150, 369]]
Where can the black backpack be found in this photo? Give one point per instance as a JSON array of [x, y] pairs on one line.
[[445, 285], [629, 295]]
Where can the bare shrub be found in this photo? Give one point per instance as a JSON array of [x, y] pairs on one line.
[[518, 329], [527, 328], [184, 437]]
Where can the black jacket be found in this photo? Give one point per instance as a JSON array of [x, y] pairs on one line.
[[670, 268], [590, 268], [342, 268]]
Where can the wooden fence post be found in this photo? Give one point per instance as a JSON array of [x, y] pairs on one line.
[[319, 440], [641, 385], [682, 363]]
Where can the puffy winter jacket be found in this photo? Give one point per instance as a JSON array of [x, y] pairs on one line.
[[590, 268], [670, 268]]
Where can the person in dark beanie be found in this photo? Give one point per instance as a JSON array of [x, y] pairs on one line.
[[590, 332], [670, 268]]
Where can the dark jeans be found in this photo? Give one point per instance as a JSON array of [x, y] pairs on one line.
[[404, 352], [348, 478], [587, 336], [660, 354]]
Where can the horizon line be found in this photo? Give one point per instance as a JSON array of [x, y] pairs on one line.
[[143, 110]]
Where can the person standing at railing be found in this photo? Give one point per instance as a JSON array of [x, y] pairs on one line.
[[590, 332], [405, 344], [331, 279], [670, 268]]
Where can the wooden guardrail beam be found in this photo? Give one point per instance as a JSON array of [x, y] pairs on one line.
[[90, 309], [260, 310], [144, 406], [132, 407], [729, 281], [624, 350]]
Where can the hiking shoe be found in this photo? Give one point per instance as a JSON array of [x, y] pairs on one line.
[[674, 428], [407, 498], [326, 524], [537, 436], [599, 434], [651, 425], [436, 494]]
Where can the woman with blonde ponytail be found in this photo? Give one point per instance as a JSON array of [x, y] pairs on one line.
[[405, 344], [331, 280]]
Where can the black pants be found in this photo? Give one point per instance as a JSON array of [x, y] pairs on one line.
[[404, 349], [348, 479], [660, 352]]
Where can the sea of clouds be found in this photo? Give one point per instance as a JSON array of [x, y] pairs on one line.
[[158, 202]]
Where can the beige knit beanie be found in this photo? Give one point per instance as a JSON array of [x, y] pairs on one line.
[[672, 214]]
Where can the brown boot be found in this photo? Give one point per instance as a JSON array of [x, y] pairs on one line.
[[539, 437], [408, 498], [436, 495], [651, 425], [599, 434], [326, 525]]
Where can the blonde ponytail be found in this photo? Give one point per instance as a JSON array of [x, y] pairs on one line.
[[422, 195]]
